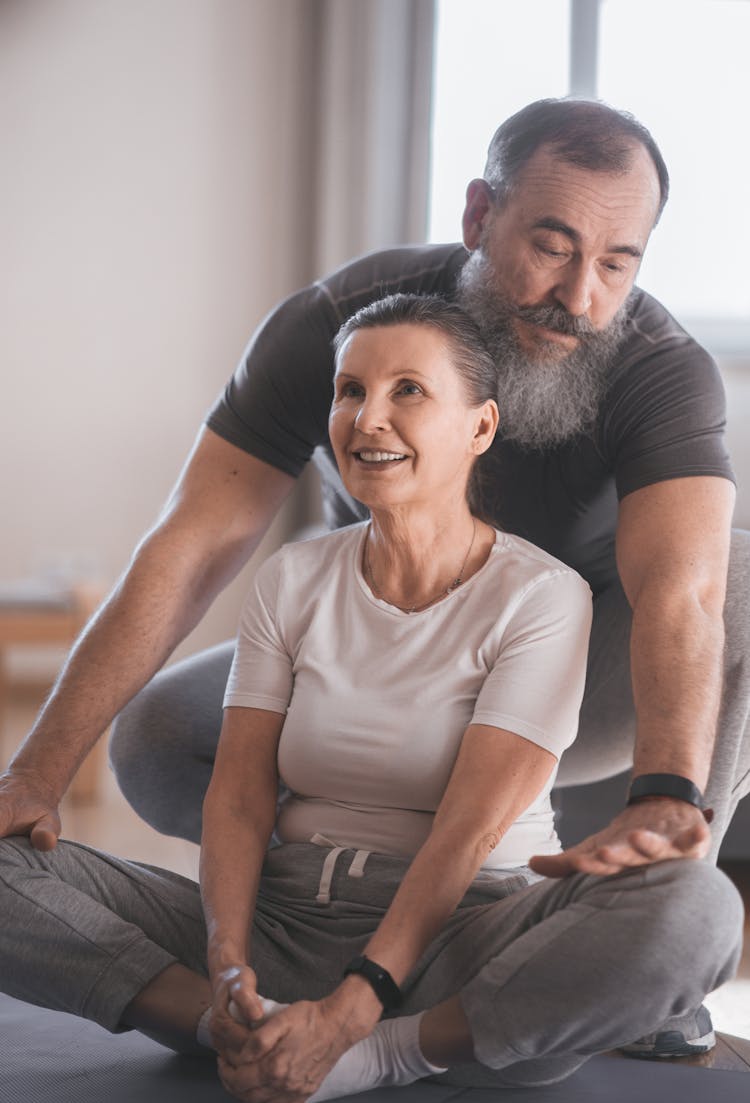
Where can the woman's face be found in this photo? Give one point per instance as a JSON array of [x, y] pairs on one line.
[[400, 424]]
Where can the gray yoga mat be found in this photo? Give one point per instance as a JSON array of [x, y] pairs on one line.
[[47, 1057]]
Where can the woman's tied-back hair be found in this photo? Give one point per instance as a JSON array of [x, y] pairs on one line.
[[470, 356], [585, 133]]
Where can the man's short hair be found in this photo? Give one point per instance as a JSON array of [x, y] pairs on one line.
[[585, 133]]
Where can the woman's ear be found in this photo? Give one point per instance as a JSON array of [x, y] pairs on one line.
[[486, 425]]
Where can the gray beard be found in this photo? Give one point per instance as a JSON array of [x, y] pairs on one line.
[[543, 400]]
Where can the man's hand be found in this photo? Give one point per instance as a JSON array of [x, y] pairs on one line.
[[648, 831], [28, 808]]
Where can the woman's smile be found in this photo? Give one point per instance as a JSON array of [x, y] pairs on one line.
[[378, 459]]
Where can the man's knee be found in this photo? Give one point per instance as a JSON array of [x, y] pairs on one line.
[[737, 604], [163, 743], [176, 717], [132, 734]]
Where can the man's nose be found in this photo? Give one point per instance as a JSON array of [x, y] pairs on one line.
[[574, 289]]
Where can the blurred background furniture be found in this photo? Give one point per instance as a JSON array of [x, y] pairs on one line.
[[38, 615]]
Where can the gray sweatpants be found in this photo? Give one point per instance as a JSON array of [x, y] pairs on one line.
[[550, 972], [163, 744]]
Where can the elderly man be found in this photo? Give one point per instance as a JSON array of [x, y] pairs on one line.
[[610, 455]]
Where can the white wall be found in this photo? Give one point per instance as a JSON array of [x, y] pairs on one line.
[[152, 209]]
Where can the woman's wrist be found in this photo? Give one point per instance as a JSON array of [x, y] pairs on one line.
[[225, 956], [356, 1007]]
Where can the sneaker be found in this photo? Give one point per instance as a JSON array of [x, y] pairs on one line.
[[683, 1037]]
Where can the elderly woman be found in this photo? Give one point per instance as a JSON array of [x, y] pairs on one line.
[[413, 682]]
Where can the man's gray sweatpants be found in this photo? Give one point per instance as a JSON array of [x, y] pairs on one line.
[[550, 972], [163, 744]]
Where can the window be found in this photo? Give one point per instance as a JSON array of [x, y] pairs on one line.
[[679, 65]]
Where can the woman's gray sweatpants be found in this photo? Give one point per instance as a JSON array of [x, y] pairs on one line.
[[163, 744], [549, 972]]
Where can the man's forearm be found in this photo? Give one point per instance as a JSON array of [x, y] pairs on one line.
[[676, 666], [159, 600]]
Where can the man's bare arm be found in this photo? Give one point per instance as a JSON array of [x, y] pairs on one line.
[[672, 554], [220, 509]]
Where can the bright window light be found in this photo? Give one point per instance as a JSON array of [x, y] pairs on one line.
[[491, 59], [681, 66]]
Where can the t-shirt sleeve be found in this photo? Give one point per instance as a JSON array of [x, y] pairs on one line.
[[667, 413], [261, 673], [535, 686], [276, 404]]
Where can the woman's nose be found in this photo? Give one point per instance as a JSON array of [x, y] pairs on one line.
[[372, 415]]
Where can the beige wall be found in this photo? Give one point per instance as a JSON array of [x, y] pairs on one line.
[[154, 204], [152, 210]]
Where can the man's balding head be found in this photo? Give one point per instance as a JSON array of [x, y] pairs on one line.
[[584, 133]]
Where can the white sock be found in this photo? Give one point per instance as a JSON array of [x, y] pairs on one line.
[[270, 1007], [203, 1031], [390, 1056]]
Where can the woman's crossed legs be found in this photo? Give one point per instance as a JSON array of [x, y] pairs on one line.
[[544, 975]]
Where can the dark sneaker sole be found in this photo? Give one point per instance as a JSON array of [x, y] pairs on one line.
[[670, 1044]]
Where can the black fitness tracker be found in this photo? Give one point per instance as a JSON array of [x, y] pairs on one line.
[[379, 979], [668, 785]]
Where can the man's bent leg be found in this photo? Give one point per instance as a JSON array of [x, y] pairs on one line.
[[163, 743], [730, 769], [606, 730]]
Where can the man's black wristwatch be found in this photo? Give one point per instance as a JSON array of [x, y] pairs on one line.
[[669, 785], [379, 979]]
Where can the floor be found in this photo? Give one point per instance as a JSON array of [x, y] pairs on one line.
[[109, 823]]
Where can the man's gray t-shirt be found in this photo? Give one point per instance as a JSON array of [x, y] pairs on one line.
[[662, 417]]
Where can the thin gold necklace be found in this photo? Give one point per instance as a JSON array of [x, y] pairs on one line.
[[443, 593]]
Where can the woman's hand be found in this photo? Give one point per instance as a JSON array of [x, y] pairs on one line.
[[236, 982], [290, 1054]]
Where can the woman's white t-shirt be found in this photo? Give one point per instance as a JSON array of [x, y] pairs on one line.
[[377, 700]]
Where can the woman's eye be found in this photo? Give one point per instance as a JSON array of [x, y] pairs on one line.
[[350, 390], [410, 388]]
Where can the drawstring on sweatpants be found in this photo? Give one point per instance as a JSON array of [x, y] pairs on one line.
[[356, 869]]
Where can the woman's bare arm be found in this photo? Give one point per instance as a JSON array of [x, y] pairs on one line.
[[497, 776], [239, 813]]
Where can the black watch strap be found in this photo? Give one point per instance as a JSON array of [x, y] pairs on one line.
[[668, 785], [379, 979]]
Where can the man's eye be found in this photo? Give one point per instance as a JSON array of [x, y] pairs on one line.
[[614, 272]]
